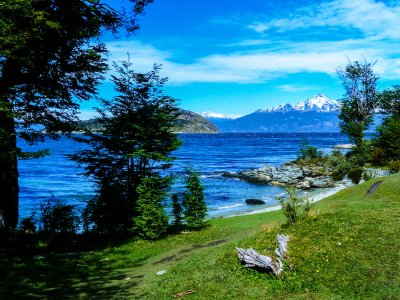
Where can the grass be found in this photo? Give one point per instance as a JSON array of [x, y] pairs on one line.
[[347, 249]]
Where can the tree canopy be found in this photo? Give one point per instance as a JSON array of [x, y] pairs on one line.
[[51, 58]]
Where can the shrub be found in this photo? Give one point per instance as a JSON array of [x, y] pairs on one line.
[[355, 174], [57, 217], [309, 152], [394, 166], [194, 206], [294, 207], [109, 212], [28, 225]]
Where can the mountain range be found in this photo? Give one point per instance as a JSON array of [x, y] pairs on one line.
[[317, 114]]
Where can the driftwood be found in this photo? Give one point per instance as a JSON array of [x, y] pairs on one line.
[[251, 258]]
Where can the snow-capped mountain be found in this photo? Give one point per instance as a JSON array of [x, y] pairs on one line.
[[212, 115], [319, 103]]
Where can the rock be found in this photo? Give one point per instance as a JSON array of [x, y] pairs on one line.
[[321, 182], [303, 177], [303, 185], [162, 272], [344, 146], [254, 201]]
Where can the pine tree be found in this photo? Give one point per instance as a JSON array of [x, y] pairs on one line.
[[151, 221], [195, 209], [135, 143], [176, 210]]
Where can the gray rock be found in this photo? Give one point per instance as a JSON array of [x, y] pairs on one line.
[[303, 185]]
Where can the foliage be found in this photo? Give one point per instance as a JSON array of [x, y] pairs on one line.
[[28, 225], [194, 205], [135, 142], [51, 58], [177, 209], [389, 101], [108, 213], [57, 217], [394, 166], [337, 164], [309, 152], [355, 174], [360, 100], [151, 221], [294, 207], [386, 141]]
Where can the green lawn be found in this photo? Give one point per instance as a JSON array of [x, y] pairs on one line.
[[347, 249]]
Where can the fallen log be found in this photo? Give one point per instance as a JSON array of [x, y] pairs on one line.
[[253, 259]]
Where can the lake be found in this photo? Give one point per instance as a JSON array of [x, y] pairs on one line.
[[209, 154]]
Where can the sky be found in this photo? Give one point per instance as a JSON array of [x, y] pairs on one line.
[[234, 56]]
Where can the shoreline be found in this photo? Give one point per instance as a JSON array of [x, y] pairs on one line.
[[315, 196]]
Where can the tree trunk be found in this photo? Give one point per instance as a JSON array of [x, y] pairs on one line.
[[8, 172]]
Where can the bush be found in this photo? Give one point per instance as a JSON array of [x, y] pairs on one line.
[[294, 207], [109, 212], [28, 225], [57, 217], [394, 166], [194, 206], [355, 174], [309, 152]]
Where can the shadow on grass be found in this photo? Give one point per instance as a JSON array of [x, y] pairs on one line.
[[57, 272]]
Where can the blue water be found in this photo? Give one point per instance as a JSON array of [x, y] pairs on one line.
[[209, 154]]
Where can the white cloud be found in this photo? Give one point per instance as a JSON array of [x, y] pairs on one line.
[[278, 56], [262, 64], [372, 18], [289, 88]]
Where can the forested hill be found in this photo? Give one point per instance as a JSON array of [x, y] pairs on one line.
[[187, 122]]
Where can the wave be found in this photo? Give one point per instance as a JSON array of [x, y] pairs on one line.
[[229, 206]]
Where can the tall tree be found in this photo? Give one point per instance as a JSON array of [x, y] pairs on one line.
[[135, 142], [360, 100], [51, 58], [194, 205]]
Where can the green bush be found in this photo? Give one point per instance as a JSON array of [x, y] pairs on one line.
[[394, 166], [294, 207], [309, 152], [355, 174], [57, 217]]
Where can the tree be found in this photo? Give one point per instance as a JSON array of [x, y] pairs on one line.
[[359, 102], [387, 139], [389, 101], [51, 58], [194, 206], [151, 221], [176, 210], [135, 142]]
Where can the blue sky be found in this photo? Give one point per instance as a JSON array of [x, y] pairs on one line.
[[236, 56]]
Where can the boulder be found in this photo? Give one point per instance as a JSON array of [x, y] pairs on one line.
[[303, 185], [254, 201]]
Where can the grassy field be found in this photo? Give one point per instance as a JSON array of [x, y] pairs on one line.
[[347, 249]]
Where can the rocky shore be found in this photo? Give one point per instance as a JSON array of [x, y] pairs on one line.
[[303, 177]]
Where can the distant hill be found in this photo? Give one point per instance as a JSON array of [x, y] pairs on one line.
[[190, 122], [187, 122]]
